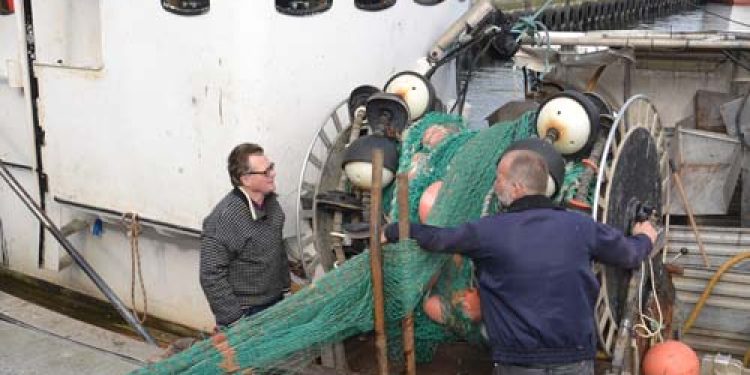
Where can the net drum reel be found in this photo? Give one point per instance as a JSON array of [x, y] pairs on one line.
[[633, 172]]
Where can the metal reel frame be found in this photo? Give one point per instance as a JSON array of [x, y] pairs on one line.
[[318, 174], [637, 112]]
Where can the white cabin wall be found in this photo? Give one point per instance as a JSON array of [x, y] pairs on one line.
[[19, 229], [159, 119], [148, 130]]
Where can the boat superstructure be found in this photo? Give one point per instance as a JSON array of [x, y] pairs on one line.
[[114, 108]]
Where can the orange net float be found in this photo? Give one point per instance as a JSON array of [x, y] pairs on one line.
[[671, 358], [434, 308], [428, 200], [470, 304], [435, 134]]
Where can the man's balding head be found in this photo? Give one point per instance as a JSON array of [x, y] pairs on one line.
[[520, 173]]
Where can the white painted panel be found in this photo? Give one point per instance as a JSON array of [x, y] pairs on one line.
[[169, 269], [16, 136], [68, 33], [151, 131], [20, 229]]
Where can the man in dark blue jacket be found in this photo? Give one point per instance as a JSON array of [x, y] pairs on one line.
[[534, 266]]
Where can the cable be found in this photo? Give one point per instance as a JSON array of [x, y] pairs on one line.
[[718, 15], [646, 321], [461, 99]]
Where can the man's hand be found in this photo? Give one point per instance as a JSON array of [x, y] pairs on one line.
[[646, 228], [383, 239]]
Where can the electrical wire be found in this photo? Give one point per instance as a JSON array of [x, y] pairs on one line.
[[461, 99], [651, 328]]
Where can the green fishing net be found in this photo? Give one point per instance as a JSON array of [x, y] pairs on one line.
[[287, 336]]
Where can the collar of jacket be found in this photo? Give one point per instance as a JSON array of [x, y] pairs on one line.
[[260, 211], [529, 202]]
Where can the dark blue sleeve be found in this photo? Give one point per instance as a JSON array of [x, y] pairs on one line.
[[613, 248], [462, 239]]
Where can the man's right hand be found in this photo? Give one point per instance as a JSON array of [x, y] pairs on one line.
[[645, 227]]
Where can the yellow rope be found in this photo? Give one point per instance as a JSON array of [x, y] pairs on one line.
[[133, 228], [709, 288]]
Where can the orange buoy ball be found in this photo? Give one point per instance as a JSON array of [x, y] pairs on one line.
[[671, 358], [428, 200], [471, 306], [433, 307], [434, 135]]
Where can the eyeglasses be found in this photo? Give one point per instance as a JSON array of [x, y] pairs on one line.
[[266, 173]]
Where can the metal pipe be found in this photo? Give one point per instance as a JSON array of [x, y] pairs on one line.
[[642, 41], [113, 214], [469, 20], [80, 261], [376, 267], [407, 325]]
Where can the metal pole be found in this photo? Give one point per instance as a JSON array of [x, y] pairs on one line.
[[80, 261], [643, 41], [376, 266], [689, 211], [407, 325]]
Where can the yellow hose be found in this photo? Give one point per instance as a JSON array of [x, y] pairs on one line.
[[715, 279]]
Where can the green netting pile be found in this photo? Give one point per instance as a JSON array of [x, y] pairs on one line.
[[283, 339]]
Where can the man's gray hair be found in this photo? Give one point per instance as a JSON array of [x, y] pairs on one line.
[[529, 169]]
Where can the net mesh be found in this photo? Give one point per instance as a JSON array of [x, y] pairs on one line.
[[284, 338]]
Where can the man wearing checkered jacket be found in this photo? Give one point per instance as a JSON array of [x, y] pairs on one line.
[[243, 261]]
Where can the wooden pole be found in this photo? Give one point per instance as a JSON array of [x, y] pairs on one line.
[[376, 266], [407, 325], [689, 211]]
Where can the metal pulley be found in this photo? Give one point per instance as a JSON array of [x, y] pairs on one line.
[[415, 89], [387, 114], [555, 161], [570, 122], [359, 96]]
